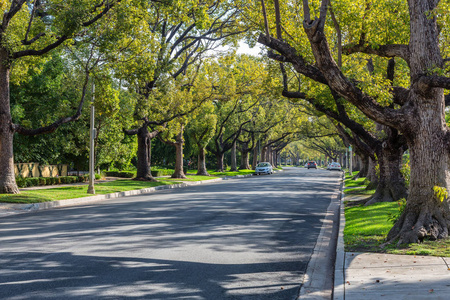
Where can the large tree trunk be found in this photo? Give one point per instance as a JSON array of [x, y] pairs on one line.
[[244, 160], [255, 158], [7, 175], [233, 158], [219, 162], [364, 165], [179, 141], [263, 154], [425, 216], [201, 168], [372, 176], [391, 184], [144, 155]]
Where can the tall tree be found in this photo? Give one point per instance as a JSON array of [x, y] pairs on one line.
[[420, 111], [183, 32], [31, 29]]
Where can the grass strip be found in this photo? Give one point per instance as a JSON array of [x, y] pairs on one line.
[[366, 227], [192, 178], [78, 191], [229, 173]]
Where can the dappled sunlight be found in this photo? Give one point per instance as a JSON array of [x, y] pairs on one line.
[[249, 238]]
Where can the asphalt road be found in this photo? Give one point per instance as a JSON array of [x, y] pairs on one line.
[[246, 238]]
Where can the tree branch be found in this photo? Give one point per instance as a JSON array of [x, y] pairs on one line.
[[52, 127], [394, 50]]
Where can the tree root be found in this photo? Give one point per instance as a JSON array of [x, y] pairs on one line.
[[203, 173], [147, 178], [414, 228], [9, 189]]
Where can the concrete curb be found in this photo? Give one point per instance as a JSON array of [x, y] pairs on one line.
[[25, 208], [318, 283], [339, 268]]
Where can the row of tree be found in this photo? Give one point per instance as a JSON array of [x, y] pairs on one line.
[[376, 71]]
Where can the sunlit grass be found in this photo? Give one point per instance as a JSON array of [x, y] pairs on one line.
[[192, 178], [78, 191], [366, 228], [229, 173]]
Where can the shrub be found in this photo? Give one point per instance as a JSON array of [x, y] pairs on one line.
[[122, 174], [32, 181], [98, 176], [157, 173], [21, 182]]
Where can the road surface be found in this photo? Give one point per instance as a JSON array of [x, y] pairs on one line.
[[246, 238]]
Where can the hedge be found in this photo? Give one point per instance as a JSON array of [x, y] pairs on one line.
[[36, 181], [122, 174]]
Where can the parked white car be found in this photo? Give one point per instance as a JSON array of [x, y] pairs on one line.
[[263, 168], [334, 166]]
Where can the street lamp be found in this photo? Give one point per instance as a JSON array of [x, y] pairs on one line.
[[91, 189]]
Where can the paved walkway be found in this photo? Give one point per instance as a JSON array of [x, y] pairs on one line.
[[386, 276]]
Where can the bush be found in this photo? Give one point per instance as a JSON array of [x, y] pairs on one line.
[[122, 174], [21, 182], [98, 176], [32, 181], [157, 173]]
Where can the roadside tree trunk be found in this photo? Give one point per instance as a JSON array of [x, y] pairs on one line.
[[144, 152], [179, 141], [263, 154], [219, 162], [7, 176], [255, 158], [201, 168], [244, 160], [233, 158], [364, 161]]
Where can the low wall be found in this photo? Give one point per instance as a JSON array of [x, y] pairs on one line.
[[36, 170]]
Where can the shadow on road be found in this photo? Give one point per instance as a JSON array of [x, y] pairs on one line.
[[243, 239]]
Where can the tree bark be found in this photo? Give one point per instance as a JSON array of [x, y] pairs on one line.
[[371, 172], [244, 159], [7, 176], [201, 168], [179, 141], [364, 163], [144, 155], [263, 154], [425, 216], [233, 158], [255, 157], [219, 162]]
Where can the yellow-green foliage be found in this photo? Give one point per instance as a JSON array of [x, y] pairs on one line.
[[440, 193]]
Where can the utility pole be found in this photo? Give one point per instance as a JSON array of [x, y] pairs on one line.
[[350, 161], [346, 158], [91, 189]]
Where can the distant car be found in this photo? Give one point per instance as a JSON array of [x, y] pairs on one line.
[[311, 164], [334, 166], [263, 168]]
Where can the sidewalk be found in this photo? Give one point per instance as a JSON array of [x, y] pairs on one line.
[[371, 276]]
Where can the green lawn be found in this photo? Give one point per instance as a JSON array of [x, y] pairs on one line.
[[192, 178], [366, 227], [71, 192], [228, 173]]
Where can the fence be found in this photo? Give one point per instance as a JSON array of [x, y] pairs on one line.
[[35, 170]]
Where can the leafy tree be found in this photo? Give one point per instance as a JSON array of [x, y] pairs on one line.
[[201, 130], [28, 31], [418, 112], [182, 32]]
